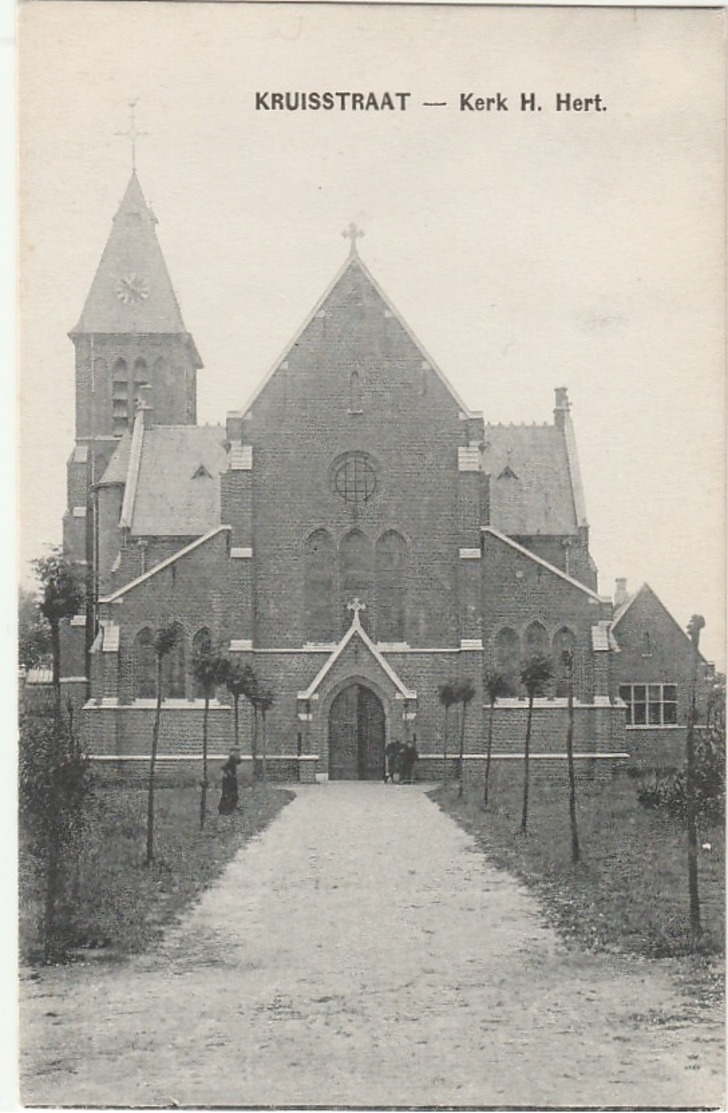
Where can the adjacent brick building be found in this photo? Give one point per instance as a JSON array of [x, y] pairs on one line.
[[357, 534]]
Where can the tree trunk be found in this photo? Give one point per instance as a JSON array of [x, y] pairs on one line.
[[696, 929], [152, 766], [461, 755], [572, 777], [56, 677], [489, 751], [203, 783], [526, 767], [254, 744], [265, 748], [236, 719], [444, 747], [53, 848]]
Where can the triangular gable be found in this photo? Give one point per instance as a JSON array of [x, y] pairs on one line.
[[353, 260], [645, 589], [356, 630], [117, 595], [544, 563]]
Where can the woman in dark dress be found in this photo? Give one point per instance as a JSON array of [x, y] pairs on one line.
[[229, 798]]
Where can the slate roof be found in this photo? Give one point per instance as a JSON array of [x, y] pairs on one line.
[[173, 499], [118, 466], [132, 251], [530, 480]]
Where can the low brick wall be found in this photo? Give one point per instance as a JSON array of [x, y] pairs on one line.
[[174, 771], [656, 747]]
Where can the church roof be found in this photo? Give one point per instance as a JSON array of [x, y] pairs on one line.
[[178, 481], [132, 290], [531, 484], [339, 295], [118, 466]]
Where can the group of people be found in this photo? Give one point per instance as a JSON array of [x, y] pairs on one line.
[[400, 761]]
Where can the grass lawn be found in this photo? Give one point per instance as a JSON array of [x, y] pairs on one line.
[[629, 891], [119, 905]]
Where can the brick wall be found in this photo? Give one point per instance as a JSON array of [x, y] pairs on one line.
[[409, 424]]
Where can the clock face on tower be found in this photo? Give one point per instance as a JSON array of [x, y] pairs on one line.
[[132, 289]]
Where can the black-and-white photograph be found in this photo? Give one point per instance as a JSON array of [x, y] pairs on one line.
[[371, 555]]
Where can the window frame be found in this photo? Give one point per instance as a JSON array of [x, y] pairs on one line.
[[651, 705]]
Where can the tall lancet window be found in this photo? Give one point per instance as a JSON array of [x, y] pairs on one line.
[[173, 667], [356, 565], [391, 566], [120, 397], [319, 574], [145, 665], [355, 399]]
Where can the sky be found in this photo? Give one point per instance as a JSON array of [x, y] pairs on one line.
[[527, 250]]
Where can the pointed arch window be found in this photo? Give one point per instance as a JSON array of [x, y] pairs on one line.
[[564, 642], [391, 567], [356, 572], [200, 642], [145, 665], [355, 395], [173, 668], [319, 572], [120, 397], [508, 656], [536, 640]]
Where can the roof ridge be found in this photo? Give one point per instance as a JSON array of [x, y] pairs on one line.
[[539, 560], [116, 595]]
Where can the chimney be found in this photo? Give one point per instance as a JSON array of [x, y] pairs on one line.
[[234, 426], [621, 595], [145, 406], [561, 406]]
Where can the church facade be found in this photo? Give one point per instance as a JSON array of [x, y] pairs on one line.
[[357, 534]]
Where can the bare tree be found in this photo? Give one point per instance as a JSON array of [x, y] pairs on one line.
[[696, 624], [465, 692], [264, 698], [496, 685], [448, 697], [239, 682], [62, 597], [210, 669], [163, 641], [535, 674], [568, 660]]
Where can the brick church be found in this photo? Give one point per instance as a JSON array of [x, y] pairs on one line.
[[356, 533]]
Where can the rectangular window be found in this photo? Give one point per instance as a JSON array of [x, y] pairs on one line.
[[653, 705]]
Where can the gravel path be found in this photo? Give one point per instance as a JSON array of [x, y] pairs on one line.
[[362, 951]]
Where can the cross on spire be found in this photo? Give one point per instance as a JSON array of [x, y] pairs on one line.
[[356, 605], [132, 132], [352, 233]]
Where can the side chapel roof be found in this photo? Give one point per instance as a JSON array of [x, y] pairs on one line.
[[172, 478], [530, 480]]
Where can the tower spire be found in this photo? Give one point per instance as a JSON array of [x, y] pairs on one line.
[[133, 133]]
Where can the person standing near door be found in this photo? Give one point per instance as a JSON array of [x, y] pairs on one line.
[[391, 755]]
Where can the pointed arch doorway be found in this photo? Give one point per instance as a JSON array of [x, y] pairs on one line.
[[356, 735]]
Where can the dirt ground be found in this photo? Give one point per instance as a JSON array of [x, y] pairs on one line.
[[363, 951]]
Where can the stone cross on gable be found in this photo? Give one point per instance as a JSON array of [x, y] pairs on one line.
[[353, 233], [356, 605], [132, 132]]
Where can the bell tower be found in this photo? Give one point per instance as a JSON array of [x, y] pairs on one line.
[[130, 336]]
